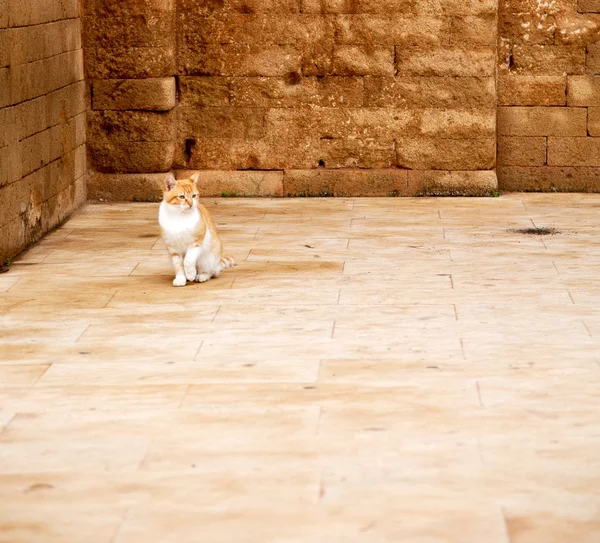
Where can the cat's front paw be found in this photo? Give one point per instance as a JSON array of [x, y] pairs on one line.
[[190, 274], [201, 277], [179, 281]]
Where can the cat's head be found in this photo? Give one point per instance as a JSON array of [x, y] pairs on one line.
[[182, 194]]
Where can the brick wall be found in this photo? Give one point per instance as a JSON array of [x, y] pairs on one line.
[[549, 95], [42, 119], [293, 97]]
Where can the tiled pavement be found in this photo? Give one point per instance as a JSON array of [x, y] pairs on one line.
[[374, 370]]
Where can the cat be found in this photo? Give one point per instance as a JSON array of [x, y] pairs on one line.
[[190, 234]]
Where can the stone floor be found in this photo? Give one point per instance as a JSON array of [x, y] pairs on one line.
[[374, 370]]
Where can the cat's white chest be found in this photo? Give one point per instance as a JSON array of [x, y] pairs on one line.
[[178, 228]]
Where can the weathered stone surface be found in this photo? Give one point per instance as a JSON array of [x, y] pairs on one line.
[[432, 92], [341, 123], [549, 59], [474, 30], [114, 187], [453, 183], [105, 8], [541, 121], [129, 62], [295, 91], [458, 123], [127, 94], [131, 126], [195, 30], [521, 151], [390, 29], [322, 182], [531, 90], [594, 121], [549, 179], [138, 30], [357, 153], [588, 6], [221, 122], [445, 154], [131, 156], [592, 65], [238, 183], [239, 60], [583, 90], [204, 91], [361, 60], [206, 8], [460, 62], [573, 151]]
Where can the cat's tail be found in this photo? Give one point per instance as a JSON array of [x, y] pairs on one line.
[[227, 262]]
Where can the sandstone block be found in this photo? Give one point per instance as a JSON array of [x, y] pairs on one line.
[[238, 6], [4, 14], [239, 60], [297, 30], [469, 7], [135, 187], [131, 156], [573, 151], [296, 91], [5, 87], [363, 60], [541, 121], [549, 59], [68, 101], [357, 153], [430, 92], [594, 121], [107, 8], [390, 29], [221, 122], [11, 164], [32, 43], [473, 30], [131, 30], [525, 25], [592, 65], [459, 62], [129, 62], [588, 6], [583, 90], [241, 183], [445, 154], [204, 91], [345, 183], [521, 151], [204, 154], [294, 152], [458, 123], [549, 179], [340, 123], [157, 94], [317, 59], [526, 90], [456, 183], [131, 126]]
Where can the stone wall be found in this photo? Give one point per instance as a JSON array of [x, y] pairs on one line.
[[549, 95], [293, 97], [42, 119]]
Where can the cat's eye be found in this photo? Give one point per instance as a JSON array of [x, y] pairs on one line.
[[194, 196], [182, 197]]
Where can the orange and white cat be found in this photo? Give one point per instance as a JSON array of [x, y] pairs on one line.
[[190, 234]]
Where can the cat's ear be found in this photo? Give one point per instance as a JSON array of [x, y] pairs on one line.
[[170, 182], [194, 178]]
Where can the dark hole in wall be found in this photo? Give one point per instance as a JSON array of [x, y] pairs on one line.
[[189, 146]]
